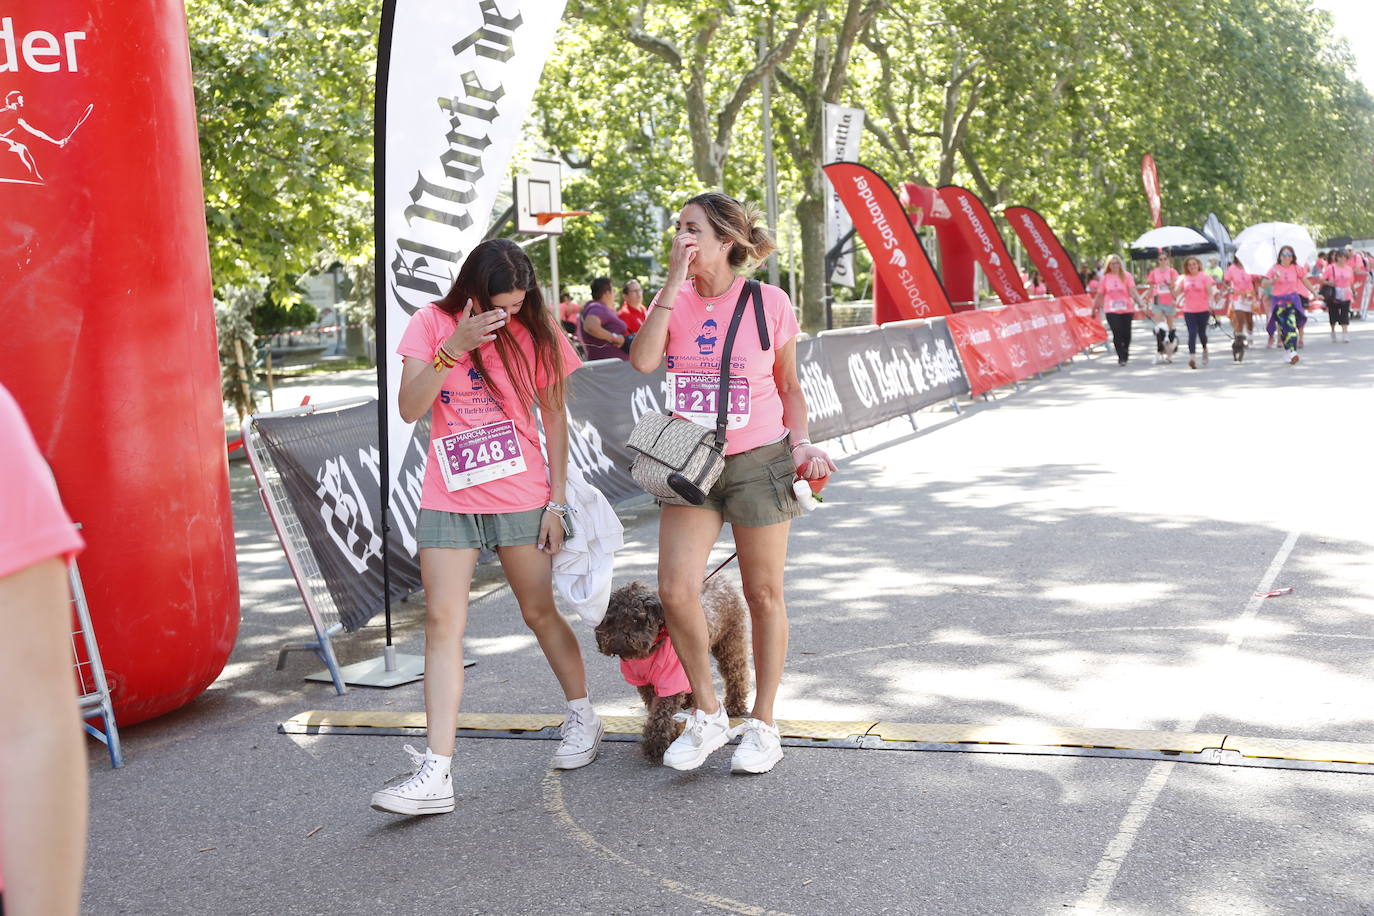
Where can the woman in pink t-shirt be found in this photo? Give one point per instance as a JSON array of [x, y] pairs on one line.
[[1339, 278], [766, 449], [479, 361], [43, 781], [1195, 290], [1287, 281], [1241, 300], [1162, 308], [1116, 296]]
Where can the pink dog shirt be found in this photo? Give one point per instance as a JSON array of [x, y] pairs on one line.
[[660, 669]]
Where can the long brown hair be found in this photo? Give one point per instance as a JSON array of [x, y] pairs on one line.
[[499, 266]]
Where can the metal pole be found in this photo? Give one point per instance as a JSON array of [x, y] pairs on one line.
[[553, 268], [770, 169]]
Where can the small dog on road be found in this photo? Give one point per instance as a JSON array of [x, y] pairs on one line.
[[635, 630]]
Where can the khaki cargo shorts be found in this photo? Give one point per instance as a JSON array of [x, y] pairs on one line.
[[755, 489]]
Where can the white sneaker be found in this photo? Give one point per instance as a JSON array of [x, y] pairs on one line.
[[428, 791], [760, 747], [702, 735], [582, 730]]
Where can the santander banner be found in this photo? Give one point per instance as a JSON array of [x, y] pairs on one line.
[[1149, 177], [974, 222], [898, 258], [1048, 256]]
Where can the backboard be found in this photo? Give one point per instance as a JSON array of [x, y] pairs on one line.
[[539, 190]]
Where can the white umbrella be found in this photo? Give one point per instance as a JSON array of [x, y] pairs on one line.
[[1172, 237], [1258, 247]]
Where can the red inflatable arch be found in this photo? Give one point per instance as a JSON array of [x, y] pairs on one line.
[[108, 338]]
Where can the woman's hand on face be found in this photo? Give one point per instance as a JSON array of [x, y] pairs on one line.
[[550, 533], [812, 462], [474, 330], [681, 256]]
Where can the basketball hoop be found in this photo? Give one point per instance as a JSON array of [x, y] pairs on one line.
[[545, 218]]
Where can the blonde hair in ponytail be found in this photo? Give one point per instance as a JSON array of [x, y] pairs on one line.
[[738, 223]]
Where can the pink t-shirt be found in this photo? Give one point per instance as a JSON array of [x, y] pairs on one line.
[[660, 669], [1116, 294], [1288, 280], [1162, 280], [1342, 277], [1238, 278], [33, 524], [483, 463], [696, 338], [1197, 292]]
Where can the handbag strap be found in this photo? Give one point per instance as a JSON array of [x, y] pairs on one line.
[[723, 399]]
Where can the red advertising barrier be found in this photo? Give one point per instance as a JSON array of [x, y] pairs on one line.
[[109, 343], [1087, 327], [1046, 252], [1004, 345], [912, 288]]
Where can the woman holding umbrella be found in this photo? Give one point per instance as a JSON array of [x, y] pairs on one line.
[[1241, 300], [1287, 281], [1162, 308]]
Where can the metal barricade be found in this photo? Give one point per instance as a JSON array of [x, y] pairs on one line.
[[305, 568], [93, 689]]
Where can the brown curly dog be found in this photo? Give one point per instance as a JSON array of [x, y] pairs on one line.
[[634, 628]]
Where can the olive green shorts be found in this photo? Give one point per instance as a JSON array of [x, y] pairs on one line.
[[463, 530], [755, 489]]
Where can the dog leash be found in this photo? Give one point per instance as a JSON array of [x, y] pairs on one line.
[[720, 567]]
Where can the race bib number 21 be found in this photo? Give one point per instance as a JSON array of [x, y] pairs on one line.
[[696, 397]]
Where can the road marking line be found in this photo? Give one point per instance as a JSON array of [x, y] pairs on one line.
[[554, 804], [1109, 866]]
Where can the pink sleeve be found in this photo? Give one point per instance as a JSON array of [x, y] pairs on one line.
[[422, 335], [1329, 274], [784, 320], [33, 524]]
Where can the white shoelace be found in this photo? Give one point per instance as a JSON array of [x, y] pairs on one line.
[[422, 764], [749, 732], [576, 731]]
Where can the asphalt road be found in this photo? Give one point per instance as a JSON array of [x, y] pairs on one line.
[[1080, 553]]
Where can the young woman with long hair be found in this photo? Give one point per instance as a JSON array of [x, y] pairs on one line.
[[766, 449], [1162, 308], [1286, 282], [1241, 300], [1116, 296], [480, 360], [1195, 290]]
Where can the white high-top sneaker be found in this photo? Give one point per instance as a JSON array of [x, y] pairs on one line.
[[428, 791], [582, 730]]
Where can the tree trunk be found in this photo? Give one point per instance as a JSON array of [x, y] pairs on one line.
[[810, 212]]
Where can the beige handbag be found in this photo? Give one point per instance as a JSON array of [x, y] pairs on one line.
[[676, 460]]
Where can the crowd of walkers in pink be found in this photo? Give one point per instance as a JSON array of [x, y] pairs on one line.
[[1282, 297]]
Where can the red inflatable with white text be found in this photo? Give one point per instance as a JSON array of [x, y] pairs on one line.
[[110, 343]]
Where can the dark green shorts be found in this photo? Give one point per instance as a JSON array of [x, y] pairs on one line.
[[463, 530], [755, 489]]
